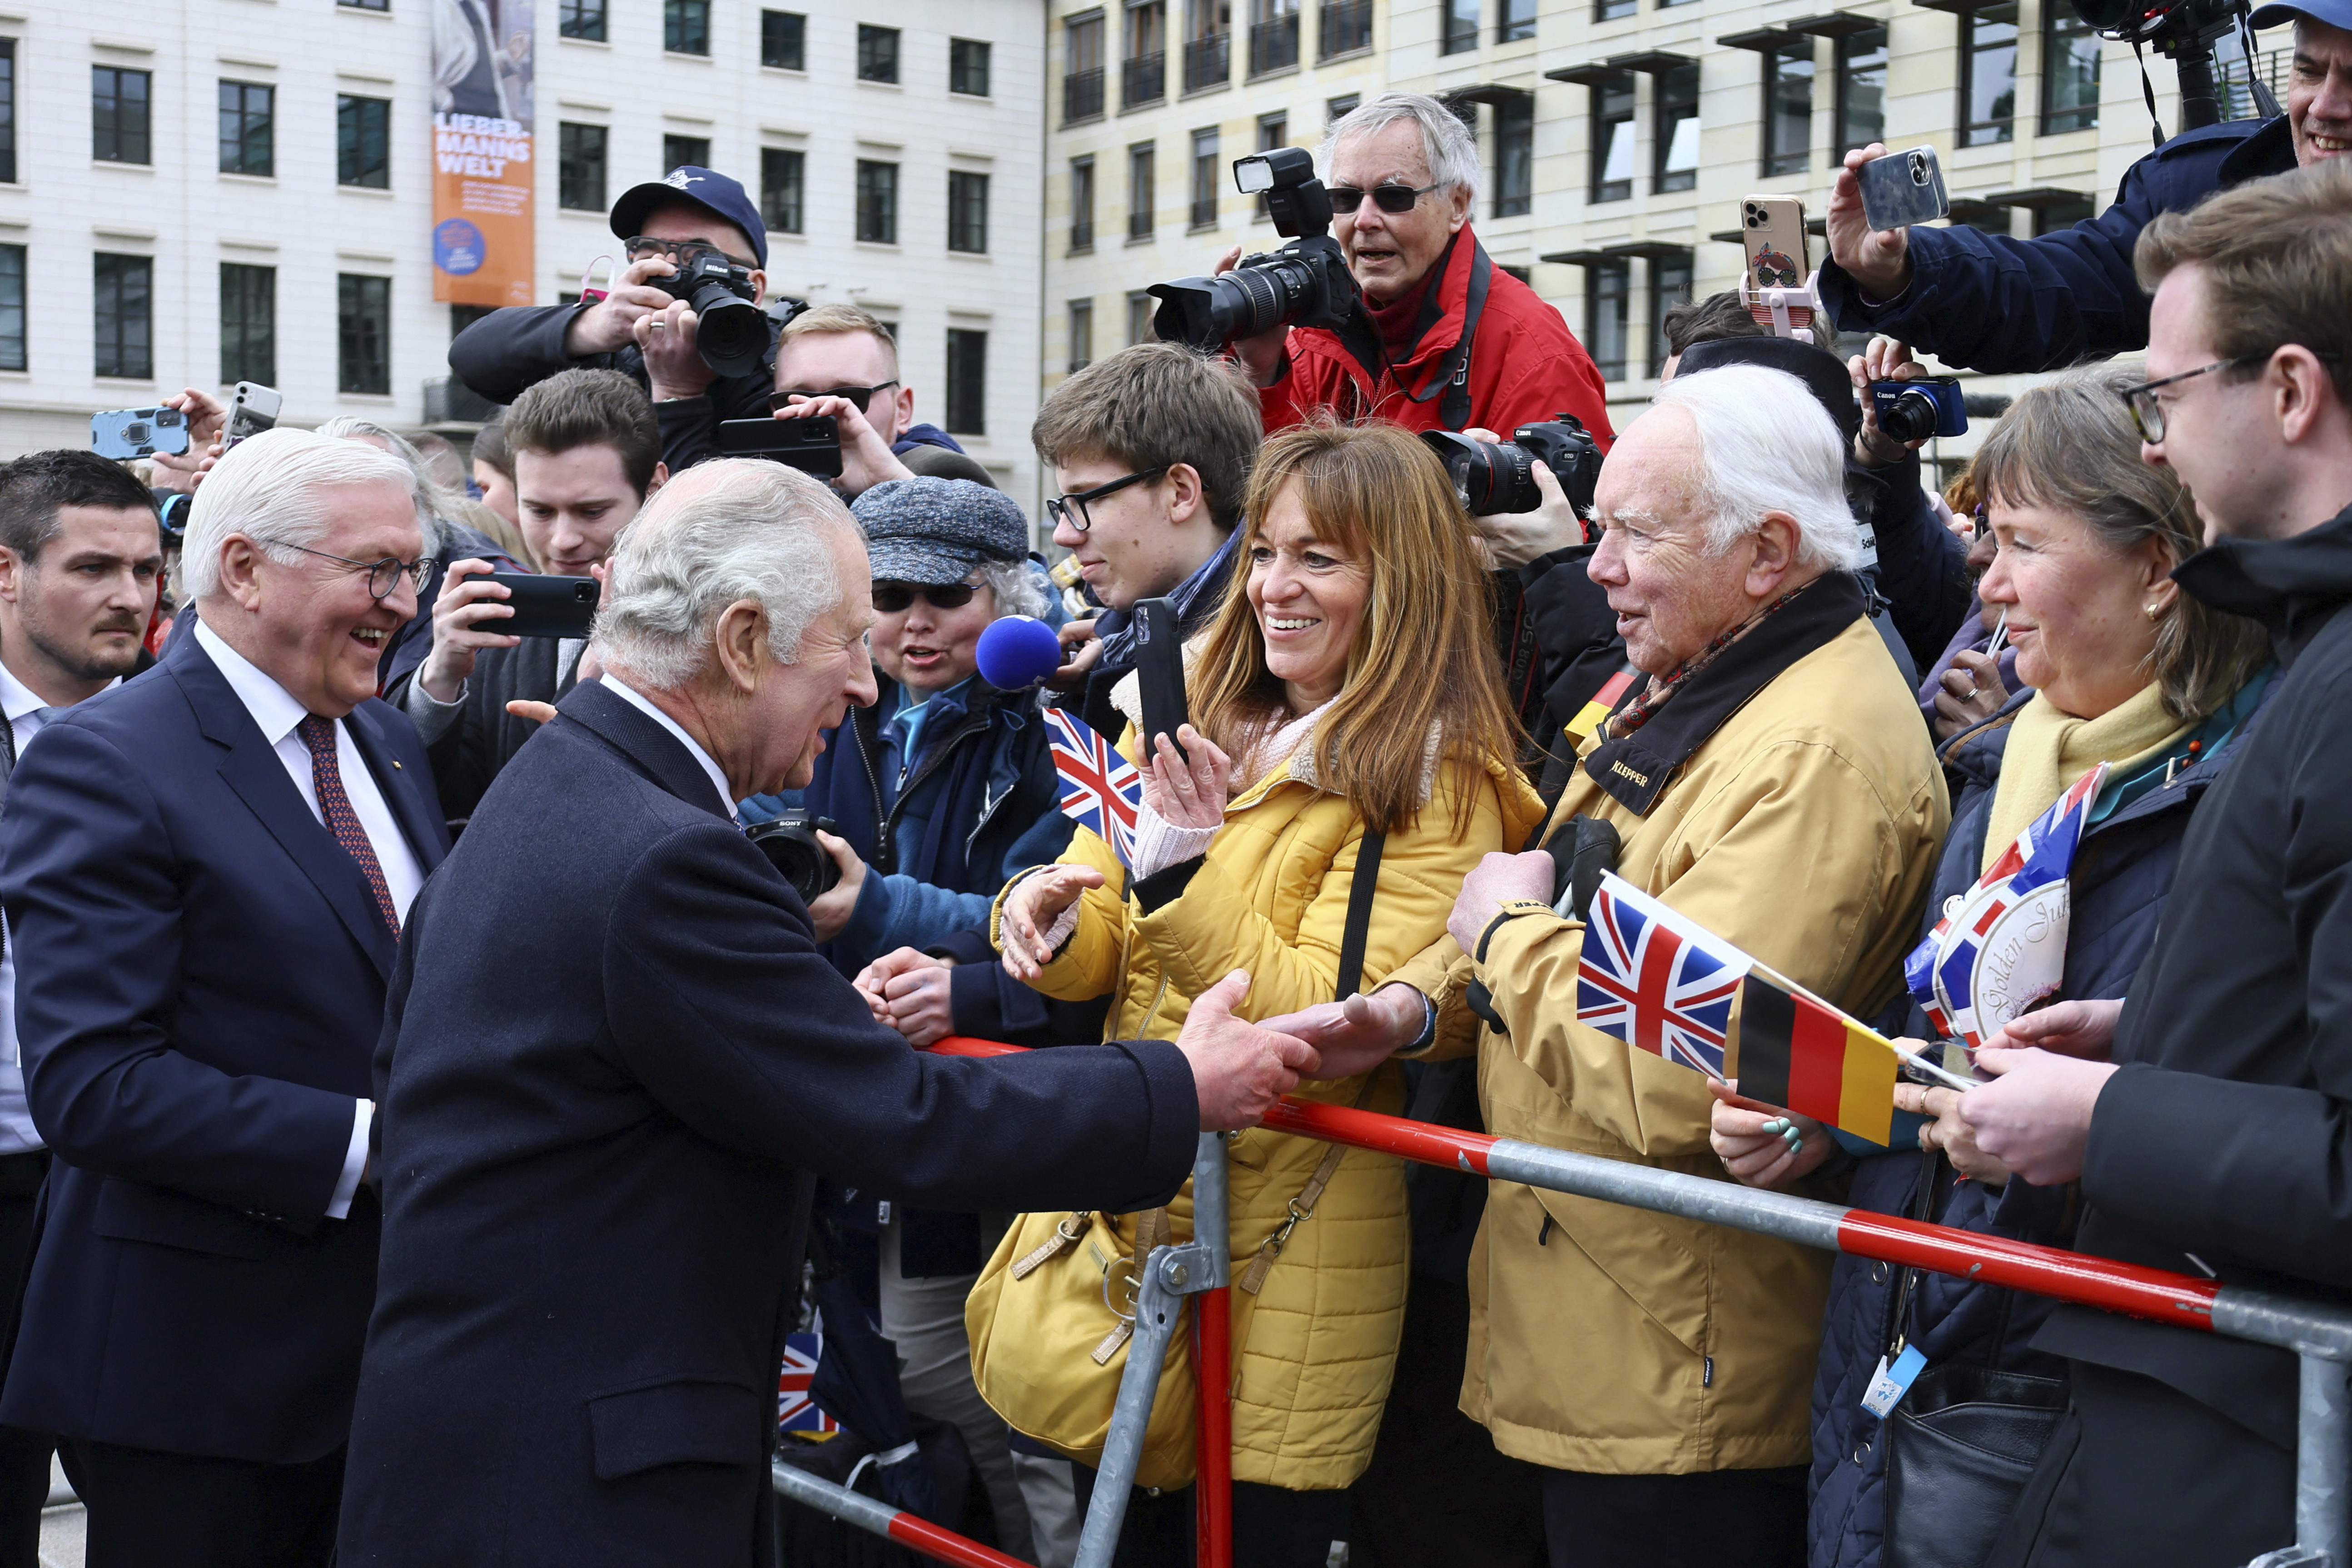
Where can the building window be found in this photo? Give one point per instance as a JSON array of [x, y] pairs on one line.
[[363, 142], [684, 152], [1788, 105], [365, 4], [1082, 205], [2052, 216], [1273, 132], [1514, 20], [1674, 120], [125, 287], [967, 212], [1461, 33], [246, 140], [1205, 181], [1515, 155], [121, 102], [1862, 91], [8, 113], [362, 334], [1143, 69], [967, 381], [784, 41], [1274, 36], [1606, 292], [580, 167], [248, 324], [686, 26], [1139, 306], [968, 67], [1670, 285], [2070, 70], [1335, 109], [1987, 75], [1347, 28], [1081, 333], [1208, 43], [1141, 158], [1610, 10], [1613, 139], [12, 306], [464, 316], [1082, 76], [877, 202], [783, 188], [580, 19], [878, 53]]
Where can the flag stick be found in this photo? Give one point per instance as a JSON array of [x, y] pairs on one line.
[[1934, 1070]]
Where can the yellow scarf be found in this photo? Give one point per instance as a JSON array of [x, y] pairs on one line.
[[2049, 752]]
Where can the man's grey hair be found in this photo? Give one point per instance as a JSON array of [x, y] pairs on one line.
[[1019, 587], [440, 500], [1766, 444], [1450, 147], [273, 489], [734, 528]]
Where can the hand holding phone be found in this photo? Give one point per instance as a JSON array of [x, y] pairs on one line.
[[1879, 260], [1160, 671], [1903, 188], [811, 444], [547, 606], [121, 433]]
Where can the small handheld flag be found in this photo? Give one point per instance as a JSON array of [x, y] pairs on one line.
[[1101, 791], [795, 1411], [1604, 701], [1796, 1050], [1655, 980]]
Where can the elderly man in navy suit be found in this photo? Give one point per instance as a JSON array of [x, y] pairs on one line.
[[612, 1039], [205, 876]]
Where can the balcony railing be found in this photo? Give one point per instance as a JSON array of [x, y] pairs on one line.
[[1208, 62], [1347, 27], [1273, 45], [1143, 79], [1082, 96]]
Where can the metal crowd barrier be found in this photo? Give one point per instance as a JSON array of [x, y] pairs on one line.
[[2320, 1335]]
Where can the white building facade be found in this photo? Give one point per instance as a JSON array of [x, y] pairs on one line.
[[200, 192]]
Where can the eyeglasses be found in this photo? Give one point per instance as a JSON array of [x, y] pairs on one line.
[[383, 575], [1388, 198], [677, 252], [1072, 509], [860, 395], [2148, 411], [890, 598]]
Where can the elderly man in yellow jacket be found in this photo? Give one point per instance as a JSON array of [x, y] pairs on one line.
[[1773, 782]]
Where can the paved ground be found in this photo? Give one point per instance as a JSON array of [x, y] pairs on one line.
[[61, 1524]]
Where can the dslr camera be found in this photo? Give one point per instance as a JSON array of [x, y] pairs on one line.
[[1305, 283], [1493, 477], [1915, 410], [790, 844], [730, 330]]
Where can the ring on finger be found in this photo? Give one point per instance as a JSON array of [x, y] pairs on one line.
[[1969, 695]]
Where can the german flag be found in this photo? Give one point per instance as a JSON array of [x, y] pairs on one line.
[[1798, 1051], [1604, 702]]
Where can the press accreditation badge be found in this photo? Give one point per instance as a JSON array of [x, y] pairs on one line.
[[1888, 1385]]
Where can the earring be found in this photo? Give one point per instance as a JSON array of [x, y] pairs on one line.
[[2154, 611]]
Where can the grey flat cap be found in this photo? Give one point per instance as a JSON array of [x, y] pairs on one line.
[[932, 530]]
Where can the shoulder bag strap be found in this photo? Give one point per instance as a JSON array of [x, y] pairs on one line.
[[1360, 912], [1453, 378]]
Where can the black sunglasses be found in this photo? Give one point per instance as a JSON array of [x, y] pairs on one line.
[[1388, 198], [1072, 509], [889, 598], [383, 575], [860, 395]]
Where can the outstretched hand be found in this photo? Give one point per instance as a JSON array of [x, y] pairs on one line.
[[1360, 1033], [1030, 912], [1239, 1068], [1187, 795], [2035, 1116], [1877, 259]]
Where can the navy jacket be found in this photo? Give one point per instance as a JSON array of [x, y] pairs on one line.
[[200, 983], [603, 1057], [2122, 878], [1997, 304]]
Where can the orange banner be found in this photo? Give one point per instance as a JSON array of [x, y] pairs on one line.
[[482, 177]]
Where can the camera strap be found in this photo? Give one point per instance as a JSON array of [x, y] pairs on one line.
[[1453, 377]]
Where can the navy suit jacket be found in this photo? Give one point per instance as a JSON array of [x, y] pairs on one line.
[[200, 979], [611, 1040]]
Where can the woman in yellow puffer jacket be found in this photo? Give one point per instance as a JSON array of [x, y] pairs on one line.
[[1350, 683]]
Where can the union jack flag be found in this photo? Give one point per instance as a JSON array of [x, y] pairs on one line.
[[795, 1411], [1656, 981], [1100, 789]]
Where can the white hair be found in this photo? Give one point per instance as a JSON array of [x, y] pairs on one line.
[[1449, 147], [737, 528], [440, 500], [1019, 587], [1766, 444], [273, 489]]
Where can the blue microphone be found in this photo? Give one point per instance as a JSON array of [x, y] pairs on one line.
[[1018, 651]]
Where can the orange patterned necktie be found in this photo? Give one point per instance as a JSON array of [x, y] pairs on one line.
[[327, 779]]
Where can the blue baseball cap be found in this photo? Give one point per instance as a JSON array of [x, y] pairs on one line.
[[2335, 13], [703, 187]]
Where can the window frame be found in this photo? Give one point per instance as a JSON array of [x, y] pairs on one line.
[[877, 202], [9, 111], [16, 308], [1083, 195], [1515, 156], [584, 19], [1085, 37], [967, 233], [1457, 27], [1593, 337], [966, 402], [1971, 132], [356, 293], [1207, 185], [113, 296], [879, 51], [1846, 63], [1510, 27], [119, 132], [962, 70], [243, 283], [1601, 116], [1142, 190], [1664, 119], [2062, 26], [349, 138], [1663, 296], [675, 148], [773, 28], [571, 168], [1078, 334], [1799, 50], [245, 133], [783, 215], [685, 28]]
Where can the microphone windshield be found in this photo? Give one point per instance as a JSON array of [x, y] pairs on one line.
[[1018, 651]]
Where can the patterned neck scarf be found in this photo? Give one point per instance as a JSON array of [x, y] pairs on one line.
[[1636, 713]]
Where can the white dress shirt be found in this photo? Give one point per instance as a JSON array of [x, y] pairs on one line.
[[637, 700], [275, 710], [25, 713]]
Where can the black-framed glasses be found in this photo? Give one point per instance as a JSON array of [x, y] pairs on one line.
[[676, 252], [860, 395], [2148, 410], [890, 598], [1388, 198], [1072, 509], [383, 575]]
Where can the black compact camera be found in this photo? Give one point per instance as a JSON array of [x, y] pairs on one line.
[[1915, 410], [1305, 283], [790, 844], [1499, 477], [729, 328]]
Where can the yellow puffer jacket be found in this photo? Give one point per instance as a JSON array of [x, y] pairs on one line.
[[1313, 1351]]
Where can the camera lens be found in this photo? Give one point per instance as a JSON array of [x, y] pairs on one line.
[[1918, 170], [733, 332], [790, 844], [1909, 416], [135, 432]]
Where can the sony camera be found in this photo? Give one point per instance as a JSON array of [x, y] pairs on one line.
[[729, 328], [790, 844], [1915, 410], [1305, 283], [1499, 477]]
